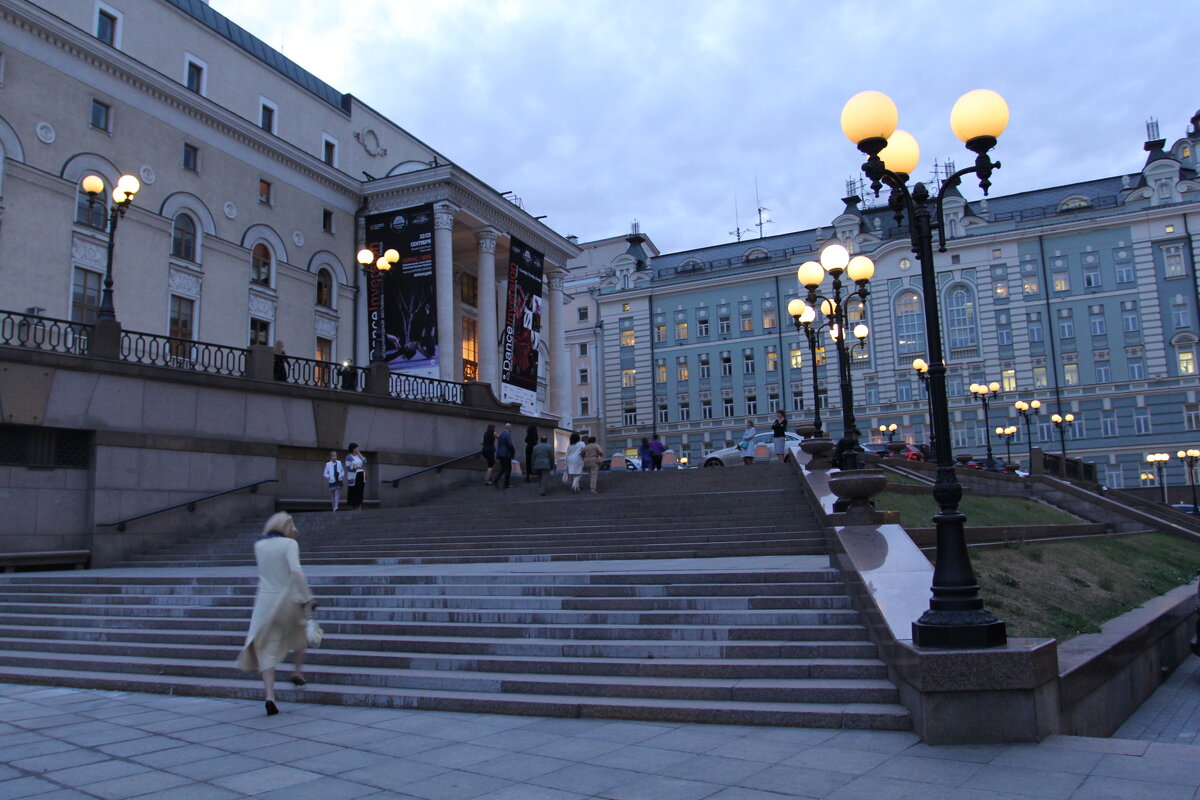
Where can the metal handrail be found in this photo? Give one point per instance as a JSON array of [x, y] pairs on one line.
[[191, 504], [404, 386], [395, 482], [139, 347], [324, 374], [44, 333]]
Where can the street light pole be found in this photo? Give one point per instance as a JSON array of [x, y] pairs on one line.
[[1062, 423], [122, 197], [375, 298], [922, 369], [1007, 434], [1159, 460], [1028, 411], [956, 617], [802, 316], [984, 392], [1189, 458]]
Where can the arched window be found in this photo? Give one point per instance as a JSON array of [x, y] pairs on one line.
[[324, 289], [910, 334], [183, 238], [961, 306], [1185, 354], [856, 311], [93, 213], [260, 265]]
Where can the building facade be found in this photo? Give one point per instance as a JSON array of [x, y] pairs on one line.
[[256, 177], [1084, 297]]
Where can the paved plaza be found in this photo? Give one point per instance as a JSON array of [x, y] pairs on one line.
[[60, 743]]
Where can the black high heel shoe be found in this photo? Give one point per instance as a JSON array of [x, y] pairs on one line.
[[272, 709], [298, 680]]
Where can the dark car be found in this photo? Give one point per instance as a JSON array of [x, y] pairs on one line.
[[881, 449]]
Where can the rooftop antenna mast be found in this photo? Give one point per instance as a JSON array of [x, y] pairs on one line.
[[738, 230], [761, 209]]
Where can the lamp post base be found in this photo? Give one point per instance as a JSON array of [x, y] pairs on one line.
[[958, 630]]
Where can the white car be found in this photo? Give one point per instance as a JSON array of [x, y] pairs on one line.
[[732, 456]]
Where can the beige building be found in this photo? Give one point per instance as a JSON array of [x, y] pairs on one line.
[[255, 177]]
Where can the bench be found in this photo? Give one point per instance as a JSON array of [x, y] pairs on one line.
[[9, 562]]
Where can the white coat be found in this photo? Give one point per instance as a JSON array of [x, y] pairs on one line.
[[277, 623], [334, 472], [575, 459]]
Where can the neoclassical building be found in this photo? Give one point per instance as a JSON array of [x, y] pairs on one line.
[[1084, 297], [255, 177]]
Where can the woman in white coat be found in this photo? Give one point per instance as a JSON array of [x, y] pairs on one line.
[[277, 624], [575, 461]]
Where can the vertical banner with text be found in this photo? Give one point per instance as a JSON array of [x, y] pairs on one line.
[[522, 327], [407, 293]]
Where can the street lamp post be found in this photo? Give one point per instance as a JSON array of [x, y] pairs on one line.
[[1063, 423], [122, 197], [1189, 458], [922, 368], [375, 293], [802, 317], [835, 260], [1028, 411], [1159, 460], [1007, 434], [985, 393], [889, 431], [956, 617]]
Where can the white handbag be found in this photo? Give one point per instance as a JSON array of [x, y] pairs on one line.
[[313, 632]]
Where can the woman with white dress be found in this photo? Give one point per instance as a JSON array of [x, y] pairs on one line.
[[277, 624], [746, 445], [575, 461], [356, 476]]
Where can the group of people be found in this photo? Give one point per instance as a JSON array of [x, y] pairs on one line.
[[498, 451], [351, 473], [778, 439], [651, 453]]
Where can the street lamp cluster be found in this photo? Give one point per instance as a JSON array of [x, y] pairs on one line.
[[985, 393], [122, 196], [374, 268]]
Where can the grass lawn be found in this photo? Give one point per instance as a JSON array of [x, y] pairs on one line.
[[896, 477], [916, 511], [1064, 588]]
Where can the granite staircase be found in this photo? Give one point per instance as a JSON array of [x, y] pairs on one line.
[[764, 635]]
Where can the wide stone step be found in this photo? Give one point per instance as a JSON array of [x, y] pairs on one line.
[[879, 716]]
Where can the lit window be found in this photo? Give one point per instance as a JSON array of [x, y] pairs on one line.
[[681, 365], [797, 358], [1001, 291], [1186, 361], [1030, 285], [747, 322], [660, 333], [769, 320], [1008, 380], [772, 360], [1062, 282], [1071, 374], [681, 330], [628, 377], [660, 371], [628, 339], [1173, 261], [1040, 378], [325, 290], [470, 349], [625, 306]]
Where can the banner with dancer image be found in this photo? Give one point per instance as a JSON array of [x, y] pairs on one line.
[[522, 333], [408, 300]]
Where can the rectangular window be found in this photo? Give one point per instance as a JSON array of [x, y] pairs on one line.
[[1103, 372], [772, 359], [180, 322], [85, 296], [264, 192], [260, 331], [681, 368], [1066, 328], [747, 362], [583, 349], [723, 325], [628, 338], [583, 376], [327, 227], [685, 412], [747, 322], [704, 366], [628, 377], [1036, 334], [1173, 261], [706, 409], [470, 349], [629, 417], [191, 157], [1071, 374], [1181, 317], [820, 359], [797, 401], [329, 150], [1030, 285], [1096, 324], [1062, 282], [1185, 361], [1191, 416], [1004, 336], [769, 319], [1001, 291], [108, 27], [101, 116], [583, 313], [680, 331], [797, 358], [194, 76], [468, 289], [702, 327], [727, 406], [1108, 423], [663, 415], [903, 391], [1091, 278], [1141, 420], [660, 333], [584, 403], [1124, 273], [751, 405], [1008, 380], [773, 403], [1039, 378], [266, 115], [1130, 321], [726, 363], [660, 371], [1137, 369]]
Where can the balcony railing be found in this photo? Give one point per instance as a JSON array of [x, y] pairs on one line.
[[168, 351], [433, 390], [44, 333], [325, 374]]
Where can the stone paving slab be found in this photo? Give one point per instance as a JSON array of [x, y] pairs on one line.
[[58, 743]]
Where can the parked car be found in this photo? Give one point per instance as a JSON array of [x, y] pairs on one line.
[[881, 449], [732, 457]]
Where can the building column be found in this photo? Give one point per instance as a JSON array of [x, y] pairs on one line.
[[560, 377], [443, 267], [489, 334]]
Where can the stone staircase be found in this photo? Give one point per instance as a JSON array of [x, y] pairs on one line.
[[764, 635]]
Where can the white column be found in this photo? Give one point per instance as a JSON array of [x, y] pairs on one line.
[[443, 267], [489, 334], [560, 376]]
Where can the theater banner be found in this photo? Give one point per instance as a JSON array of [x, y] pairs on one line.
[[522, 333], [407, 293]]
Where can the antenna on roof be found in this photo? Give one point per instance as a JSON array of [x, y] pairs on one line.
[[738, 230], [1151, 129], [761, 208]]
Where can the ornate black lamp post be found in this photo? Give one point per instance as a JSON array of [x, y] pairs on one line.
[[956, 616], [1159, 460], [1189, 458], [1063, 423], [889, 431], [1028, 411], [802, 317], [985, 393], [375, 295], [835, 260], [922, 369], [1007, 434], [122, 197]]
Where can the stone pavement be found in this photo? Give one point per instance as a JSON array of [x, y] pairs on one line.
[[1172, 713], [59, 743]]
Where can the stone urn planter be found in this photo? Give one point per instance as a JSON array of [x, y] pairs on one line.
[[818, 451], [962, 459], [806, 431], [856, 487], [895, 448]]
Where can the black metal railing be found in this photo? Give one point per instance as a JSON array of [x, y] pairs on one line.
[[395, 482], [325, 374], [168, 351], [44, 333], [417, 387], [190, 505]]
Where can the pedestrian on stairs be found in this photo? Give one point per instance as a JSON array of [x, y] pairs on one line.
[[487, 449], [592, 454], [575, 460], [779, 435], [336, 475], [746, 445], [657, 448], [543, 462], [531, 441], [356, 476], [281, 603], [504, 454]]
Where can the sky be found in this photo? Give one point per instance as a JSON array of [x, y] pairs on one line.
[[599, 112]]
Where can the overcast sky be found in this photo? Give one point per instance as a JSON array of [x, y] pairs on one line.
[[598, 112]]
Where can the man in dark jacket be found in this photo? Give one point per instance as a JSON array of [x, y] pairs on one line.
[[543, 462], [504, 455]]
